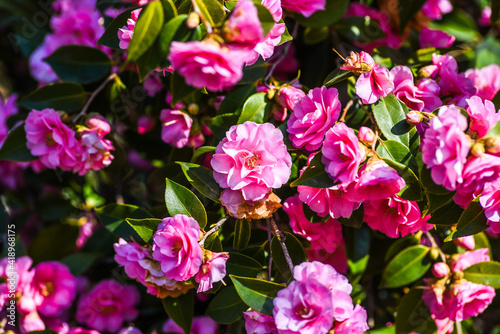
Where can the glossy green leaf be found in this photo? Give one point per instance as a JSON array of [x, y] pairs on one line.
[[113, 217], [361, 29], [256, 109], [397, 152], [202, 179], [63, 96], [110, 36], [495, 129], [78, 263], [295, 249], [211, 10], [169, 9], [413, 315], [412, 191], [221, 124], [242, 265], [438, 201], [177, 30], [180, 200], [14, 147], [150, 61], [481, 241], [428, 183], [265, 18], [235, 99], [314, 175], [399, 245], [180, 310], [486, 273], [48, 245], [242, 233], [200, 151], [390, 115], [488, 52], [254, 73], [407, 10], [146, 30], [78, 63], [406, 267], [448, 214], [226, 307], [337, 76], [213, 243], [471, 221], [256, 293], [144, 227], [334, 11]]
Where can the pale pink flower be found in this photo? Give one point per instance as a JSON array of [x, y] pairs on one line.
[[445, 147], [14, 277], [175, 246], [467, 259], [377, 180], [126, 32], [373, 85], [342, 153], [366, 135], [440, 269], [201, 325], [395, 217], [304, 7], [31, 322], [431, 38], [206, 64], [486, 80], [107, 306], [482, 115], [467, 242], [490, 201], [433, 9], [274, 7], [265, 48], [288, 96], [7, 108], [52, 140], [212, 271], [356, 324], [129, 255], [312, 116], [176, 126], [243, 27], [253, 159], [358, 63], [258, 323]]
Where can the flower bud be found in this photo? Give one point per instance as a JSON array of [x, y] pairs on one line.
[[358, 63], [414, 117], [477, 149], [434, 253], [366, 135], [288, 96], [467, 242], [429, 71], [193, 108], [193, 20], [458, 275], [492, 145], [440, 269]]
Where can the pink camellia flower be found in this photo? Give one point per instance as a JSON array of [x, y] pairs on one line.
[[378, 181], [358, 63], [413, 97], [175, 246], [467, 259], [440, 270], [486, 80], [482, 115], [274, 7], [366, 136], [445, 147], [206, 64], [312, 116], [374, 84], [337, 259], [356, 324], [431, 38], [107, 306], [253, 159], [80, 330], [265, 48], [126, 32], [490, 201], [176, 126], [243, 28], [258, 323], [212, 271], [130, 330], [31, 322], [467, 242], [395, 217], [304, 7], [288, 96], [52, 140], [433, 9], [342, 153], [201, 325], [129, 255], [51, 290], [14, 278]]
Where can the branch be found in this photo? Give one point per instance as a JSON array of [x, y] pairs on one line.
[[283, 54], [435, 245], [214, 229], [277, 232], [93, 96]]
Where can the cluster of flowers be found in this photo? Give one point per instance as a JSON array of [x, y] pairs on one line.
[[175, 258], [45, 293], [57, 145], [317, 301]]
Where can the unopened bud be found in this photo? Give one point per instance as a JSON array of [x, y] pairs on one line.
[[366, 135], [477, 149], [434, 253], [429, 71], [414, 117], [492, 145], [467, 242], [193, 20], [440, 269], [271, 93], [262, 275], [193, 108], [458, 275]]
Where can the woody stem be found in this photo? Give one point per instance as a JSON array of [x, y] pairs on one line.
[[214, 229], [281, 240]]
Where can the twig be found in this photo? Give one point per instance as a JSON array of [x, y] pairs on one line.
[[435, 245], [344, 111], [269, 243], [283, 53], [215, 228], [277, 232], [366, 111], [93, 96]]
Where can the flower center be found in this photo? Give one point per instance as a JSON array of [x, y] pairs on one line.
[[302, 311], [250, 161], [177, 246], [108, 309], [46, 289], [49, 140]]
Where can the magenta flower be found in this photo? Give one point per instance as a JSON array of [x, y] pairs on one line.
[[253, 159], [176, 126], [433, 9], [356, 324], [377, 181], [342, 154], [445, 147], [258, 323], [288, 96], [243, 27], [395, 217], [490, 201], [486, 80], [107, 306], [201, 325], [206, 64], [265, 48], [304, 7], [212, 271], [80, 330], [175, 246], [374, 84], [130, 255], [483, 116], [14, 278], [431, 38], [274, 7], [52, 140], [312, 116], [126, 32], [467, 259]]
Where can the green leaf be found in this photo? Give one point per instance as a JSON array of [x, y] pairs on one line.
[[265, 17], [413, 315], [144, 227], [361, 29], [295, 249], [113, 217], [64, 96], [407, 10], [438, 201], [399, 245], [110, 36], [242, 233], [413, 190], [177, 30], [213, 243], [226, 307], [146, 30], [334, 10], [256, 293], [397, 152], [169, 9], [486, 273], [495, 129], [211, 10], [315, 35], [458, 23], [358, 249], [254, 73], [488, 52], [202, 179], [242, 265], [200, 151], [448, 214], [481, 240], [179, 89], [406, 267], [235, 99], [180, 200], [221, 124], [428, 183], [256, 109], [314, 175], [390, 115], [14, 147], [78, 263], [337, 76], [471, 221], [180, 310], [149, 60], [49, 245], [78, 63]]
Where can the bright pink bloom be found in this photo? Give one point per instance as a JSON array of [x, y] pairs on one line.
[[467, 242], [15, 278], [130, 330], [395, 217], [358, 62], [201, 325], [274, 7], [258, 323], [366, 135], [304, 7], [253, 159], [288, 96], [243, 27], [433, 9], [52, 140], [378, 181], [176, 126], [431, 38], [337, 259], [413, 97], [80, 330], [445, 147], [490, 201], [342, 153], [486, 80], [126, 32], [312, 116], [467, 259], [265, 48], [212, 271], [175, 246], [7, 108], [356, 324], [205, 64], [440, 269], [129, 255], [374, 84], [482, 115], [145, 124], [107, 306]]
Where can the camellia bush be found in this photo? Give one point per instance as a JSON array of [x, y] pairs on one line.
[[265, 166]]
